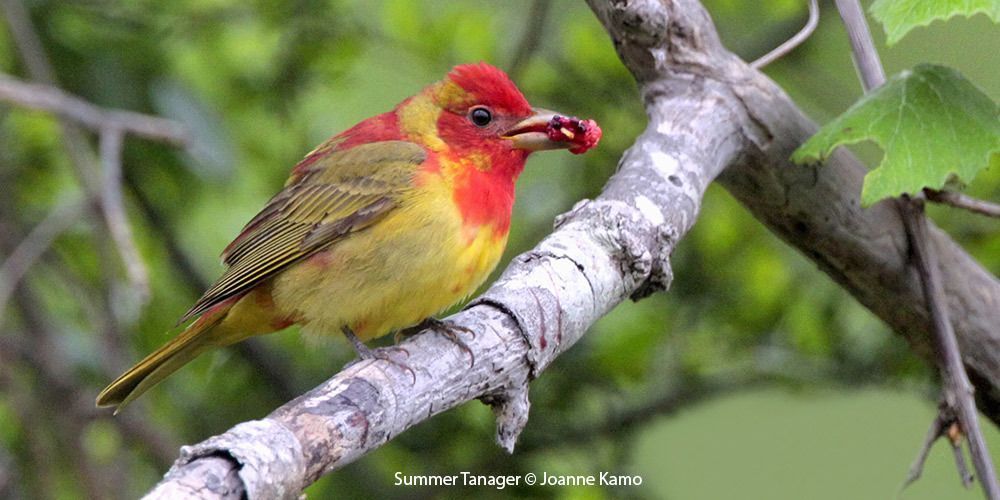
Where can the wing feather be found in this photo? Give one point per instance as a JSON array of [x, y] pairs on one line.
[[343, 192]]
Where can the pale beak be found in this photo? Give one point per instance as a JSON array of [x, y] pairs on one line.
[[531, 134]]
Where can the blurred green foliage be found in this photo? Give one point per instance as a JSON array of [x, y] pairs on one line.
[[260, 83]]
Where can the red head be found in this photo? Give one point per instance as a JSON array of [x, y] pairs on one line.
[[482, 129], [478, 113]]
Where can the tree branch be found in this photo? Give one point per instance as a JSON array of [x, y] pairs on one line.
[[815, 208], [113, 206], [534, 31], [959, 200], [958, 391], [708, 111], [27, 252], [865, 56], [109, 123], [45, 97]]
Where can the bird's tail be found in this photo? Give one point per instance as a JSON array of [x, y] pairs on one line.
[[196, 339]]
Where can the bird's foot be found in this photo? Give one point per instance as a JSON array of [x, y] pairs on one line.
[[365, 353], [446, 328]]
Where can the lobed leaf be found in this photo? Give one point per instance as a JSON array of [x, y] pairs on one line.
[[900, 16], [932, 124]]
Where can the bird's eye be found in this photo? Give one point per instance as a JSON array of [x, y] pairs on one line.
[[480, 116]]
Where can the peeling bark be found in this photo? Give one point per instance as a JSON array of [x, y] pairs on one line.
[[708, 112]]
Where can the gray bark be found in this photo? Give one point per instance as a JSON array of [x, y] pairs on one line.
[[709, 114]]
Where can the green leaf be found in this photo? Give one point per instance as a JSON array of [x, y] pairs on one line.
[[932, 124], [900, 16]]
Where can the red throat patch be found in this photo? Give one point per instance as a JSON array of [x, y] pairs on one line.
[[486, 197]]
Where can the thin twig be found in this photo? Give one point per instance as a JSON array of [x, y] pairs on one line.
[[111, 124], [959, 200], [954, 433], [862, 46], [944, 421], [33, 246], [113, 208], [958, 390], [46, 97], [28, 42], [792, 42], [40, 70], [531, 39]]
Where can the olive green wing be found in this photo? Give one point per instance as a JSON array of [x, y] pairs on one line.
[[341, 192]]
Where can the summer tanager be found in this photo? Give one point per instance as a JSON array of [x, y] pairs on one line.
[[378, 228]]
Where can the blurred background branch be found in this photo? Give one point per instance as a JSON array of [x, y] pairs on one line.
[[102, 121], [534, 31], [31, 248], [102, 189]]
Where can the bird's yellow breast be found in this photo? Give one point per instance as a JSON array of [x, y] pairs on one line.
[[420, 259]]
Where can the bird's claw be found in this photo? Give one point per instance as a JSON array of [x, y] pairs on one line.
[[446, 328], [365, 353]]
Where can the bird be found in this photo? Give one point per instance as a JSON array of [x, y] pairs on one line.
[[377, 229]]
